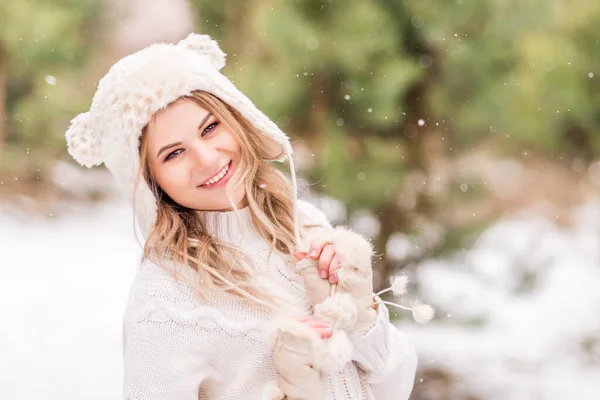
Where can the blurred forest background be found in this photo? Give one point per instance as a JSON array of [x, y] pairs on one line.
[[424, 124]]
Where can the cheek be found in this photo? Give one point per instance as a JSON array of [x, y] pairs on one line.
[[237, 151], [230, 142], [170, 179]]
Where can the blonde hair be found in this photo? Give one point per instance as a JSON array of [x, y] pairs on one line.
[[179, 235]]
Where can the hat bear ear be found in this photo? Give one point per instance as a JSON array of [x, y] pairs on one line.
[[82, 142], [206, 46]]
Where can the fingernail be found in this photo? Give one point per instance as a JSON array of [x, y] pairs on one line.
[[323, 274], [313, 253], [333, 278]]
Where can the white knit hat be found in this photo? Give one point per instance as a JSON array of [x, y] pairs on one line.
[[138, 86]]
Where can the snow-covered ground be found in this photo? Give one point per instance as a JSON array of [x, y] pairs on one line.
[[63, 288], [518, 314]]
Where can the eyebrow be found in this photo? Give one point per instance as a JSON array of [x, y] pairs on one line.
[[168, 146]]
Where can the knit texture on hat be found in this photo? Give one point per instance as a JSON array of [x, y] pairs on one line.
[[138, 86]]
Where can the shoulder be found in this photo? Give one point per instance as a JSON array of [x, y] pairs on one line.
[[309, 215], [158, 283]]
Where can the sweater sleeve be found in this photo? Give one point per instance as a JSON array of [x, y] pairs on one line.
[[311, 217], [387, 358], [164, 358]]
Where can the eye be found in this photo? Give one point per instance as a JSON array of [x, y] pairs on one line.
[[210, 128], [173, 154]]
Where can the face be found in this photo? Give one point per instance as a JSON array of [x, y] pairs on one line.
[[192, 156]]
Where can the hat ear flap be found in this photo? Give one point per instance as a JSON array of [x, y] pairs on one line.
[[206, 46], [145, 206], [82, 142]]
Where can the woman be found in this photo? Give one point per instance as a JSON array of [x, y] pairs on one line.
[[225, 236]]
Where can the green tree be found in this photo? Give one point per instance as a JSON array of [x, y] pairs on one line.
[[338, 74], [521, 73], [40, 41]]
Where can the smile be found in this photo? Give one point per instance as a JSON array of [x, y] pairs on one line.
[[217, 177]]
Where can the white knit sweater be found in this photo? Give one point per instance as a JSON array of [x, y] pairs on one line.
[[176, 348]]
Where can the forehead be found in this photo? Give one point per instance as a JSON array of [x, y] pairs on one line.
[[180, 111], [179, 118]]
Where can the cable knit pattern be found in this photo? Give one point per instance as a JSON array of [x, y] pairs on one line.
[[177, 348]]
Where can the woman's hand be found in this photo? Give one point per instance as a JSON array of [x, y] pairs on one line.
[[324, 329], [329, 262], [296, 349], [342, 253]]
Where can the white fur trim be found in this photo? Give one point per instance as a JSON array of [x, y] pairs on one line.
[[273, 392], [145, 206], [340, 309], [82, 142], [204, 45], [334, 354], [328, 355], [354, 252], [311, 236], [352, 247], [137, 87]]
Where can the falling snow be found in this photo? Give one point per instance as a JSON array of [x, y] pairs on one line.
[[50, 80]]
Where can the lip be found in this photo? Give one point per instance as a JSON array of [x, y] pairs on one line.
[[223, 181]]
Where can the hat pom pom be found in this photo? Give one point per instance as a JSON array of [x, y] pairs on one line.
[[399, 285], [422, 313], [82, 143], [206, 46]]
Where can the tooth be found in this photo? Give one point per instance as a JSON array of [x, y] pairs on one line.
[[218, 177]]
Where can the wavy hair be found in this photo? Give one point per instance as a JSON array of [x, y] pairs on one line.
[[179, 236]]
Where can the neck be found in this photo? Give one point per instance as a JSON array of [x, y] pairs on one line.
[[228, 225], [242, 204]]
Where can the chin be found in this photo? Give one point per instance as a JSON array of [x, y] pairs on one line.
[[218, 206]]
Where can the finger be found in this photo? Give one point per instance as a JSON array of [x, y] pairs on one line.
[[299, 255], [335, 265], [325, 333], [324, 261], [316, 247], [303, 318], [318, 325], [315, 323], [333, 278]]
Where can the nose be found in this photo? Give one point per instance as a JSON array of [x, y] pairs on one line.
[[204, 156]]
